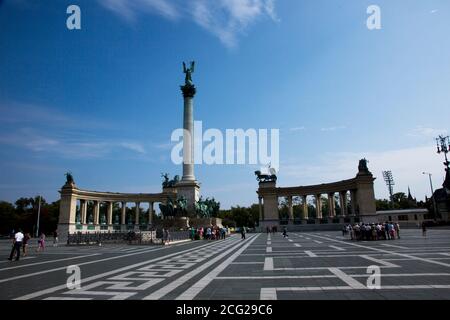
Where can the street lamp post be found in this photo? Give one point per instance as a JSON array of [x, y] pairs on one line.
[[443, 146], [387, 175], [436, 209], [38, 217]]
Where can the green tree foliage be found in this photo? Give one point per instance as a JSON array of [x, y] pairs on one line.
[[400, 201], [23, 214], [240, 216]]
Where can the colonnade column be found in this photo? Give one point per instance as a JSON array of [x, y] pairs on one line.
[[110, 213], [123, 213], [96, 212], [150, 213], [136, 220], [332, 212], [318, 207], [305, 208], [291, 209], [343, 202], [83, 210]]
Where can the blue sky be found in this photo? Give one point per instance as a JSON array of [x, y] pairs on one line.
[[103, 101]]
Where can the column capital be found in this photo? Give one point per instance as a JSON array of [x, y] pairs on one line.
[[188, 90]]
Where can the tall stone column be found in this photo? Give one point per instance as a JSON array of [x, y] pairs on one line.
[[305, 207], [150, 213], [291, 209], [96, 212], [188, 187], [331, 208], [110, 213], [136, 214], [318, 206], [123, 214], [343, 202], [188, 134], [83, 210]]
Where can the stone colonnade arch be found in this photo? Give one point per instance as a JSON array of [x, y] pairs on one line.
[[360, 188], [71, 221]]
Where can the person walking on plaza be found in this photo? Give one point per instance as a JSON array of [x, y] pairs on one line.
[[424, 229], [26, 238], [41, 243], [285, 235], [397, 229], [243, 233], [55, 238], [17, 245], [386, 229]]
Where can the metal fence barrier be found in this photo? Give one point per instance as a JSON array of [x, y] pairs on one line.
[[131, 237]]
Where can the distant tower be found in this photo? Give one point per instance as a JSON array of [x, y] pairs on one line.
[[188, 187]]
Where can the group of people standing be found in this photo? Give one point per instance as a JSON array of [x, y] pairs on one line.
[[373, 231], [21, 243], [208, 233], [272, 229]]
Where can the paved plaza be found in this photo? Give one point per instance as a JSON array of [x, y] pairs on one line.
[[318, 265]]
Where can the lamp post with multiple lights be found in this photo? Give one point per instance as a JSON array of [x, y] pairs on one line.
[[443, 146], [436, 209], [387, 175]]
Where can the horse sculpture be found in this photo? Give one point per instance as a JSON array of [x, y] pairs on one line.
[[265, 177]]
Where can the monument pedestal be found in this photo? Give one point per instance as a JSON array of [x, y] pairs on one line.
[[191, 191]]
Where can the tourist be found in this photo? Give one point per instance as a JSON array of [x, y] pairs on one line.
[[379, 230], [208, 234], [397, 229], [243, 233], [350, 230], [166, 236], [386, 230], [55, 238], [17, 245], [26, 238], [391, 231], [424, 229], [285, 235], [41, 243]]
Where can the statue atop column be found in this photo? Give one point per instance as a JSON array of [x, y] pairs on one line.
[[362, 167], [189, 72], [69, 179], [188, 89]]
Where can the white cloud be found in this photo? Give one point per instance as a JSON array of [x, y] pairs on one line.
[[223, 18], [333, 128], [297, 129], [434, 11], [422, 131], [129, 9], [133, 146], [406, 165], [80, 148]]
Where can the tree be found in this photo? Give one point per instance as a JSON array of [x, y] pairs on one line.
[[8, 217], [241, 216]]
